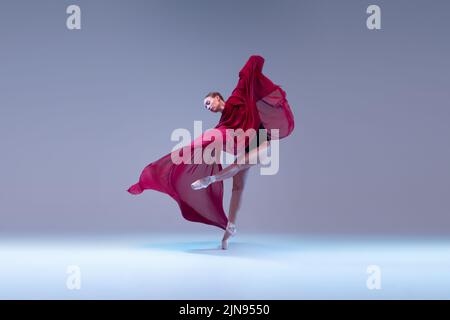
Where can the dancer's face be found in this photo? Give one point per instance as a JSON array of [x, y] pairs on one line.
[[212, 104]]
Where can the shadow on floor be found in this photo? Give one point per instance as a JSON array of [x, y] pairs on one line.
[[235, 248]]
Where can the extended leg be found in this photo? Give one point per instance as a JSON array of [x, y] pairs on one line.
[[251, 158]]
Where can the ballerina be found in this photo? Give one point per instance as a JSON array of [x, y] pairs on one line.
[[255, 103], [238, 170]]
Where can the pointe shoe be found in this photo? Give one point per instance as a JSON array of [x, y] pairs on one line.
[[224, 244], [231, 229], [203, 182]]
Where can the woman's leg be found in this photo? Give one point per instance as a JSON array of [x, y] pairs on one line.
[[239, 180], [251, 158], [236, 194]]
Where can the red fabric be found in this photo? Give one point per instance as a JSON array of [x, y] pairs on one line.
[[255, 100]]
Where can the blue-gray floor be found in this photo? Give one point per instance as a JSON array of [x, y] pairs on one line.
[[256, 266]]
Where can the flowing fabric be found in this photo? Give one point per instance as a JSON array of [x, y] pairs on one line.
[[256, 100]]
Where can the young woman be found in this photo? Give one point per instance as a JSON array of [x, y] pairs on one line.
[[256, 103], [238, 170]]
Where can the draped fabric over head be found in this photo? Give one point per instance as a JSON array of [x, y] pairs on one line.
[[256, 100]]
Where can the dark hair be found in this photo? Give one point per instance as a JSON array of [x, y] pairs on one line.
[[214, 94]]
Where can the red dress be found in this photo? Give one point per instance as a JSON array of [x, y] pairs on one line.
[[255, 101]]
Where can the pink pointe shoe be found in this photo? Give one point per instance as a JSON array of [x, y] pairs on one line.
[[231, 229], [203, 182]]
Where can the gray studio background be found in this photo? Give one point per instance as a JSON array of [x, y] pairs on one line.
[[82, 112]]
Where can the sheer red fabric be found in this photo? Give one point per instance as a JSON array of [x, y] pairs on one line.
[[256, 100]]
